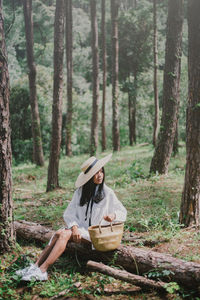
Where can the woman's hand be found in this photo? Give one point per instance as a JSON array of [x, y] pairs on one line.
[[76, 236], [110, 218]]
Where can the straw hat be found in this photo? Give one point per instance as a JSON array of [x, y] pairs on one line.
[[89, 168]]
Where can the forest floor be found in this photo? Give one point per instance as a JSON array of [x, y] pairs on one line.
[[152, 202]]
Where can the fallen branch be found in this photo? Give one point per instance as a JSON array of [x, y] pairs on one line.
[[132, 259], [140, 281], [62, 293]]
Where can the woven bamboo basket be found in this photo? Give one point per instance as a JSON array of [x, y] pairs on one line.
[[106, 237]]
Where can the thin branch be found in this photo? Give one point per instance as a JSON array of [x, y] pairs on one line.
[[13, 19]]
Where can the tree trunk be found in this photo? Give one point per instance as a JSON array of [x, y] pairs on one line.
[[38, 157], [155, 54], [132, 98], [161, 158], [134, 260], [6, 202], [141, 281], [95, 76], [132, 118], [175, 144], [115, 73], [190, 204], [53, 181], [69, 47], [103, 33]]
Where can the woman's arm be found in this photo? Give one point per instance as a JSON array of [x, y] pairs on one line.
[[76, 236]]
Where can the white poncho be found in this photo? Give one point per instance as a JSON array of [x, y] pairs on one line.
[[75, 214]]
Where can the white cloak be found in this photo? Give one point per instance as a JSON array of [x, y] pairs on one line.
[[75, 214]]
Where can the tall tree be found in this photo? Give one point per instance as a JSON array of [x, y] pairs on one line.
[[103, 34], [6, 202], [132, 98], [162, 154], [190, 204], [53, 168], [95, 76], [115, 74], [69, 47], [37, 139], [155, 52]]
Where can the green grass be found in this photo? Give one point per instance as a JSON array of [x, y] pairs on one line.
[[152, 203]]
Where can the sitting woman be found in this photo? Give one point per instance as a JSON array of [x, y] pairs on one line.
[[92, 202]]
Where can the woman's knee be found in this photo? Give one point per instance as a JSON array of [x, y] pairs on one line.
[[63, 234]]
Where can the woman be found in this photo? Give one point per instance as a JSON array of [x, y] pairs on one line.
[[93, 202]]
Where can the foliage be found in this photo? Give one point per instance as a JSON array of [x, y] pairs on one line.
[[15, 37], [135, 171], [21, 134], [20, 124], [159, 274], [172, 287], [135, 42], [135, 54]]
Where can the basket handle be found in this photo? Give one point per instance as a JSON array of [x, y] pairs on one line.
[[111, 225]]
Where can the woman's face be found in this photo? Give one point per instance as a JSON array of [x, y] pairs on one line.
[[98, 177]]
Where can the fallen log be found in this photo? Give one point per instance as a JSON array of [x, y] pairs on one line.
[[142, 242], [33, 231], [135, 260], [137, 280]]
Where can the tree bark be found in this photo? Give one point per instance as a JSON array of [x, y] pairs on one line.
[[38, 156], [95, 81], [190, 203], [6, 201], [53, 181], [134, 260], [103, 34], [175, 144], [129, 118], [115, 74], [132, 97], [140, 281], [69, 47], [155, 55], [161, 158], [132, 119]]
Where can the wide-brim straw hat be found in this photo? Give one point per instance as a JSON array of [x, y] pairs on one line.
[[89, 168]]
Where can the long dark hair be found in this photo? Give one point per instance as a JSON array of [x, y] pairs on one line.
[[88, 191]]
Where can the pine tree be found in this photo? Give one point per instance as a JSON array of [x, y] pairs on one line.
[[190, 204], [171, 88], [95, 77], [115, 74], [69, 47], [6, 202], [53, 181], [38, 157]]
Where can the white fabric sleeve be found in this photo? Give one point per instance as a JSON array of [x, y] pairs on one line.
[[69, 215], [115, 206]]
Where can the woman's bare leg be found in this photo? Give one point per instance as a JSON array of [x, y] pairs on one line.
[[63, 236], [45, 253]]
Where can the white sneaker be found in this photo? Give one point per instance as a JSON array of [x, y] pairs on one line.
[[22, 272], [36, 274]]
